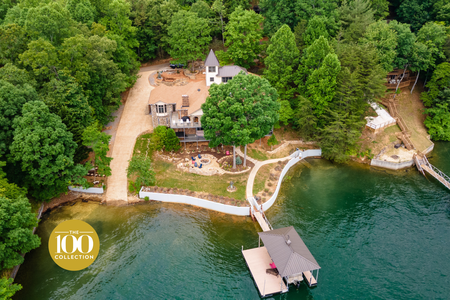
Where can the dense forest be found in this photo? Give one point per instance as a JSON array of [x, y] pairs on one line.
[[64, 65]]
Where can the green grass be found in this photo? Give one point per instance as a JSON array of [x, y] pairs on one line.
[[168, 176], [256, 154], [261, 177], [143, 145], [392, 129]]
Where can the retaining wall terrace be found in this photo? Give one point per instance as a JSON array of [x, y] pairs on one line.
[[391, 165]]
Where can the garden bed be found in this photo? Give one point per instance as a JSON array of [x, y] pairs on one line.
[[227, 164]]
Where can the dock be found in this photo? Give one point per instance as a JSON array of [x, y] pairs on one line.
[[258, 261], [423, 165], [258, 213]]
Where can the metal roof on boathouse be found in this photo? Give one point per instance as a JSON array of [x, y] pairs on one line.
[[288, 251]]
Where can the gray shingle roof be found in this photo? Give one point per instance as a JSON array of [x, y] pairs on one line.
[[289, 259], [230, 71], [211, 60]]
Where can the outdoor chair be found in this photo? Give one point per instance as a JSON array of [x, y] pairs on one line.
[[199, 156], [200, 166], [193, 158], [195, 164]]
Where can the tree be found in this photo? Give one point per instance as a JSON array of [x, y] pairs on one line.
[[8, 289], [384, 40], [438, 122], [281, 61], [299, 30], [275, 15], [16, 76], [315, 29], [414, 12], [42, 57], [51, 22], [239, 112], [172, 142], [433, 36], [405, 43], [355, 16], [65, 98], [439, 82], [99, 143], [202, 9], [12, 99], [272, 141], [321, 84], [188, 36], [421, 59], [380, 8], [242, 36], [13, 41], [82, 11], [141, 167], [305, 118], [159, 137], [219, 8], [44, 148], [16, 230]]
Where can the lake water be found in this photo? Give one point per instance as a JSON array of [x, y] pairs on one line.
[[375, 234]]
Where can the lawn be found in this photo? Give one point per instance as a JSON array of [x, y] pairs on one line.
[[261, 178], [142, 145], [168, 176]]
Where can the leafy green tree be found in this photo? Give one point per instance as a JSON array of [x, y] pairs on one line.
[[232, 5], [272, 141], [16, 76], [16, 15], [13, 41], [51, 21], [172, 143], [42, 57], [65, 98], [44, 148], [239, 112], [275, 15], [281, 62], [306, 9], [8, 289], [433, 36], [384, 40], [99, 143], [299, 30], [438, 122], [242, 36], [188, 36], [16, 231], [82, 11], [414, 12], [202, 9], [405, 43], [321, 84], [315, 29], [12, 98], [305, 118], [141, 167], [439, 82], [159, 137], [355, 17], [219, 8], [421, 59], [9, 190], [380, 8]]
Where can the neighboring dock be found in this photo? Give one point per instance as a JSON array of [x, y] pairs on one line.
[[423, 165]]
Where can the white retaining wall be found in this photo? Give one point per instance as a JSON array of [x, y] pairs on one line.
[[228, 209], [391, 165], [92, 190], [286, 168]]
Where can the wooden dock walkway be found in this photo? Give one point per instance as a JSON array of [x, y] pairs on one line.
[[424, 166]]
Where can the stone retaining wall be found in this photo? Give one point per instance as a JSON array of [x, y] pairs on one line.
[[391, 165], [92, 190]]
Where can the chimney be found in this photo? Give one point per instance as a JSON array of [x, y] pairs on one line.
[[185, 101]]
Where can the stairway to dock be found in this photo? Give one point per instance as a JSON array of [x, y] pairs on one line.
[[423, 165], [259, 215]]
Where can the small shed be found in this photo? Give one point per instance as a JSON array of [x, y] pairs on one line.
[[290, 255]]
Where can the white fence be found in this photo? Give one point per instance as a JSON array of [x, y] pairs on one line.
[[293, 161], [391, 165], [228, 209], [91, 190]]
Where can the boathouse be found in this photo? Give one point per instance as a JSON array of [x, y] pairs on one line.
[[284, 259]]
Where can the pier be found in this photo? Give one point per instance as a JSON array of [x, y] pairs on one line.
[[423, 165]]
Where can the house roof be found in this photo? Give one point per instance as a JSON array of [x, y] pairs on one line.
[[291, 259], [230, 71], [172, 94], [212, 60]]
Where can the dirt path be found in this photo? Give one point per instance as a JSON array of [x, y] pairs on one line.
[[134, 121]]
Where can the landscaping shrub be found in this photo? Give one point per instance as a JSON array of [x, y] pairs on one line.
[[238, 160], [159, 137], [171, 141], [272, 141], [141, 167], [146, 198]]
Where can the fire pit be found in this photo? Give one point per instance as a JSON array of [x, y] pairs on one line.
[[205, 161]]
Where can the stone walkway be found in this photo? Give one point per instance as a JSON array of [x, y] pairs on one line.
[[239, 152], [134, 121]]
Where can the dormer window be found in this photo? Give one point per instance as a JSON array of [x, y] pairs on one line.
[[161, 109], [212, 69]]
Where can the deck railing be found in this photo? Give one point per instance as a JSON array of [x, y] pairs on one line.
[[185, 125]]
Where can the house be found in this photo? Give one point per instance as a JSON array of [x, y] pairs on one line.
[[217, 74], [180, 107]]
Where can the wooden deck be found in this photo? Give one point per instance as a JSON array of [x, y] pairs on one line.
[[310, 279], [258, 260]]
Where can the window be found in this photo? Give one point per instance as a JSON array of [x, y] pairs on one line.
[[226, 79], [212, 69], [161, 109], [211, 79]]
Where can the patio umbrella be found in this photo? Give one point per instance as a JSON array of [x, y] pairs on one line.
[[185, 118]]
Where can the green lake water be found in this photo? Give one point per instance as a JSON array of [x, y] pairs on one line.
[[376, 235]]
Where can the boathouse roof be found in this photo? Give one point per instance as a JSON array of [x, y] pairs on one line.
[[288, 251]]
